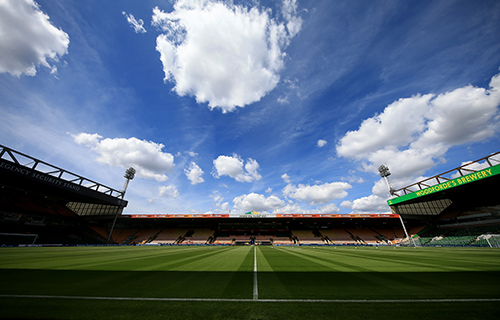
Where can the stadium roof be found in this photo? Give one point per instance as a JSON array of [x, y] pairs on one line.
[[452, 189], [22, 172]]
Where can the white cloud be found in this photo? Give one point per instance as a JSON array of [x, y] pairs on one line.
[[372, 203], [411, 133], [235, 168], [87, 139], [224, 207], [273, 203], [328, 208], [396, 126], [168, 192], [145, 156], [225, 54], [286, 178], [294, 23], [252, 167], [317, 194], [220, 205], [27, 38], [194, 173], [283, 100], [405, 163], [257, 202], [464, 115], [216, 196], [353, 179], [292, 207], [321, 143], [381, 189], [138, 25]]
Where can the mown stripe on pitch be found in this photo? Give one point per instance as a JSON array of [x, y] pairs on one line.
[[249, 300]]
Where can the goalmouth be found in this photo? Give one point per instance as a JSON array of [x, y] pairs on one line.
[[493, 240]]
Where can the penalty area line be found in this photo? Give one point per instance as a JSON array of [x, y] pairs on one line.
[[247, 300]]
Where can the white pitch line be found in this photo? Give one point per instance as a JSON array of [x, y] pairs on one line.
[[255, 283], [248, 300]]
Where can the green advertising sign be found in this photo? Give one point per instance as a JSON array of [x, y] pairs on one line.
[[478, 175]]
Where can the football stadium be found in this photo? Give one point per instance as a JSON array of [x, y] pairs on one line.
[[68, 252]]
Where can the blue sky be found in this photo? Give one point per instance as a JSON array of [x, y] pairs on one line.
[[269, 106]]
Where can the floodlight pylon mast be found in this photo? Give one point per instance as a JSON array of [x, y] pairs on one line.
[[129, 175], [385, 173]]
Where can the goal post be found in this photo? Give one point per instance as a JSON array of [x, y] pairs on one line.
[[18, 238], [493, 240]]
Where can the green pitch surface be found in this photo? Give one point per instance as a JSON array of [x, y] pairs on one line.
[[249, 283]]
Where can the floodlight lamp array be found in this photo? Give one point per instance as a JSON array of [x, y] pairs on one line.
[[384, 171], [129, 173]]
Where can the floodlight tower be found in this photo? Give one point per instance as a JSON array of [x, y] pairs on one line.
[[129, 175], [385, 173]]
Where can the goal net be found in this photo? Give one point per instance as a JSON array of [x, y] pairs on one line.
[[492, 240]]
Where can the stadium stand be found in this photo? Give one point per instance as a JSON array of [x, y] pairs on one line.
[[363, 236], [164, 236], [38, 211], [282, 241], [124, 236], [337, 236], [307, 237], [103, 232], [199, 236], [468, 236]]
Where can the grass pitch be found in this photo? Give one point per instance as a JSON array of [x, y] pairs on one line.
[[249, 283]]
